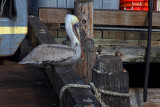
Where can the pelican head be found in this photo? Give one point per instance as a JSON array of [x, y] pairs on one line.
[[72, 29]]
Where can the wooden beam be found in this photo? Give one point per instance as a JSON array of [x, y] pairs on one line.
[[73, 97], [38, 33], [53, 15], [103, 17], [112, 42], [132, 53], [84, 11]]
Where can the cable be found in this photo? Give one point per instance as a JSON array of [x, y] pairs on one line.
[[148, 51]]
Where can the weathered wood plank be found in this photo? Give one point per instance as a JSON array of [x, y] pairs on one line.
[[136, 99], [74, 97], [25, 86], [132, 53], [53, 15], [38, 32], [124, 18], [124, 42], [103, 17], [129, 35], [84, 11]]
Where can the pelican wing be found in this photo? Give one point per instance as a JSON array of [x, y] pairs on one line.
[[49, 53]]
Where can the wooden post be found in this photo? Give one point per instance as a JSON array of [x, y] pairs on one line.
[[84, 11], [112, 77]]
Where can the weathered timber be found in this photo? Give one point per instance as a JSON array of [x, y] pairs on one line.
[[136, 99], [97, 34], [25, 86], [132, 53], [60, 75], [38, 33], [113, 42], [112, 78], [73, 97], [54, 15], [103, 17], [129, 35], [84, 12]]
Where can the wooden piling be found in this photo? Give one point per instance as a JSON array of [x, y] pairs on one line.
[[84, 11], [111, 76]]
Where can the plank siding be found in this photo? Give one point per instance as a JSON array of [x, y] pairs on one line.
[[98, 4], [101, 17]]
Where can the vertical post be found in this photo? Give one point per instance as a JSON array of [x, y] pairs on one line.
[[148, 51], [84, 11], [110, 75]]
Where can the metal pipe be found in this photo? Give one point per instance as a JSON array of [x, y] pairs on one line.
[[121, 29], [148, 51], [125, 29]]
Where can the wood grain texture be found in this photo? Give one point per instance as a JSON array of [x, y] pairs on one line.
[[38, 32], [84, 12], [25, 86], [104, 17], [112, 78], [132, 53], [73, 97]]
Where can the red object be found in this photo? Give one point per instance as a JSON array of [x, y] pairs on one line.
[[138, 5], [131, 4], [121, 1], [135, 8]]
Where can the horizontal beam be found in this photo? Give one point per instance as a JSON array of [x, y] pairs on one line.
[[103, 17], [132, 53], [73, 97]]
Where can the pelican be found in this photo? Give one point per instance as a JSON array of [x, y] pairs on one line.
[[58, 54]]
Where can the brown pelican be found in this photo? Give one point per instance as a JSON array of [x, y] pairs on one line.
[[57, 54]]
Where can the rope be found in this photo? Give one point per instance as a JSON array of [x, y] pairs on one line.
[[96, 91], [2, 7]]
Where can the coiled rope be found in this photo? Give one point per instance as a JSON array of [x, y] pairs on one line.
[[96, 91]]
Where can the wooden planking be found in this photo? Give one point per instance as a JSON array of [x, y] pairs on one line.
[[132, 53], [124, 18], [136, 99], [103, 17], [25, 86], [53, 15], [124, 42], [129, 35]]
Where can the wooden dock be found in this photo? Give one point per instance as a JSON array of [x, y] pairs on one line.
[[136, 99], [25, 86]]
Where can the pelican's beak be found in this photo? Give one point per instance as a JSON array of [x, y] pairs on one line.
[[76, 29]]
